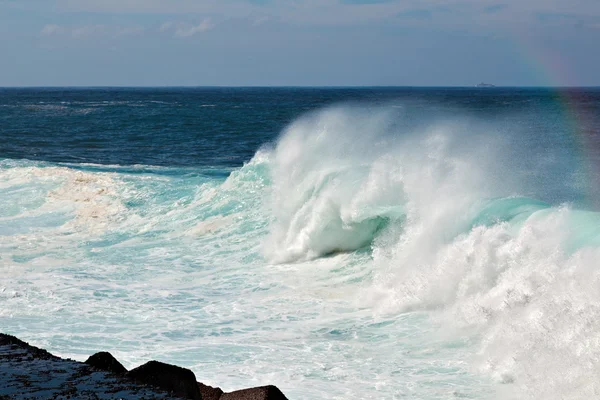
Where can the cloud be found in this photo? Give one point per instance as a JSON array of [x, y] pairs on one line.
[[52, 29], [187, 31], [473, 15], [184, 29], [261, 20], [82, 31], [88, 30], [166, 26], [129, 30]]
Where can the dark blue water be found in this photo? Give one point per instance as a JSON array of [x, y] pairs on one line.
[[225, 126]]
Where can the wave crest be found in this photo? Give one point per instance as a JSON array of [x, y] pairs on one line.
[[342, 175]]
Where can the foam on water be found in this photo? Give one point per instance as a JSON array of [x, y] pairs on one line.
[[357, 257], [517, 276]]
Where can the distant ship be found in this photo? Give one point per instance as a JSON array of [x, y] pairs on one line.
[[485, 85]]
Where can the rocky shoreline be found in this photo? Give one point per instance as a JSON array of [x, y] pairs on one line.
[[27, 372]]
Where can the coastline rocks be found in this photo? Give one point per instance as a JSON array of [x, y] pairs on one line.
[[258, 393], [8, 340], [179, 381], [104, 361], [28, 372], [209, 392]]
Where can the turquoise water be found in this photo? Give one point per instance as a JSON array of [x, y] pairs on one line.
[[339, 243]]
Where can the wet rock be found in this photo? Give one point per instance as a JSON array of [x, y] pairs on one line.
[[179, 381], [258, 393], [209, 392], [8, 340], [27, 372], [105, 361]]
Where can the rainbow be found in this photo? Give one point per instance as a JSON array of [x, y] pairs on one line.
[[581, 119]]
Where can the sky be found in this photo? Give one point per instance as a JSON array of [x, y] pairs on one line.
[[299, 42]]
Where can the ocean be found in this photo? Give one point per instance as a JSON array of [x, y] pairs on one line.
[[340, 243]]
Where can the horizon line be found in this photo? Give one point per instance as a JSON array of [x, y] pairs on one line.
[[293, 86]]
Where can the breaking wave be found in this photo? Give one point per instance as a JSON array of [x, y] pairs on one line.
[[454, 227]]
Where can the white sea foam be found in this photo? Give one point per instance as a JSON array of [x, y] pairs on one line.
[[341, 175], [91, 198], [525, 289]]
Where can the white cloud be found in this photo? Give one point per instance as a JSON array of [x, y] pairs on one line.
[[88, 30], [82, 31], [129, 30], [52, 29], [166, 26], [187, 31], [464, 14], [183, 29], [261, 20]]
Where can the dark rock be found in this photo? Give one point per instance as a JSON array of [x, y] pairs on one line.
[[258, 393], [105, 361], [174, 379], [34, 351], [209, 392]]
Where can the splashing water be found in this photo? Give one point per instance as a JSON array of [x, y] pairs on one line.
[[361, 255], [515, 274]]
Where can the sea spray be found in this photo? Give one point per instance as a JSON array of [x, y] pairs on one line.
[[342, 175], [512, 273]]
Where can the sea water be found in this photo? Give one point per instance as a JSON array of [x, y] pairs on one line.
[[374, 243]]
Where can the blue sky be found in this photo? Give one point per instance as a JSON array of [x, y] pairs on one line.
[[299, 42]]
